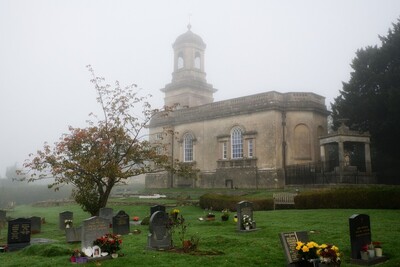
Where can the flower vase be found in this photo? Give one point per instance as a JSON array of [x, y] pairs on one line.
[[114, 255], [378, 252], [371, 253], [364, 255], [247, 228]]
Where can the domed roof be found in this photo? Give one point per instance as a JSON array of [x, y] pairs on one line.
[[189, 37]]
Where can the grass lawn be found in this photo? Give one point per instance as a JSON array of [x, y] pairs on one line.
[[258, 248]]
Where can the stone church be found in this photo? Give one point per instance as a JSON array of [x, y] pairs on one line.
[[244, 142]]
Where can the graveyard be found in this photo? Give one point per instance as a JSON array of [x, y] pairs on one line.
[[55, 233]]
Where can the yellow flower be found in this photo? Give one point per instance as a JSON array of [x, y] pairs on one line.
[[312, 244], [323, 246], [305, 249]]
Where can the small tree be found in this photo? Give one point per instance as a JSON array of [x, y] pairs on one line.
[[105, 153]]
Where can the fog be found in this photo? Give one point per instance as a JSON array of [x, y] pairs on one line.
[[252, 46]]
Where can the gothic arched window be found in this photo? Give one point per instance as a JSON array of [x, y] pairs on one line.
[[188, 147], [237, 143]]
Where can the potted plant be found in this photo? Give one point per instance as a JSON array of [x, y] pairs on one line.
[[329, 255], [371, 250], [225, 215], [307, 253], [210, 216], [378, 248], [364, 253], [174, 214]]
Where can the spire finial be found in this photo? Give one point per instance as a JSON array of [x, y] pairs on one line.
[[189, 26]]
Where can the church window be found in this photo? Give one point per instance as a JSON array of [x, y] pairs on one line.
[[188, 148], [197, 61], [250, 148], [180, 61], [224, 150], [237, 143]]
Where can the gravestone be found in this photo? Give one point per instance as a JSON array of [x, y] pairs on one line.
[[120, 223], [360, 235], [159, 236], [36, 225], [156, 208], [3, 218], [92, 229], [73, 234], [244, 208], [19, 234], [288, 241], [65, 215], [106, 213]]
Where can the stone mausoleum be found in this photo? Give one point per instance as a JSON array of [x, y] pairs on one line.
[[244, 142]]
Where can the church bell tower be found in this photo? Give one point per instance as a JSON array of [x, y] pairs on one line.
[[188, 87]]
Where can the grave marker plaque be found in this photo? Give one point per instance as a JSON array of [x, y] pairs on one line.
[[65, 215], [19, 234], [288, 241], [159, 236], [36, 225], [120, 223], [93, 228]]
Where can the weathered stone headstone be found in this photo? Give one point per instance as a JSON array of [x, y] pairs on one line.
[[36, 225], [244, 208], [106, 213], [288, 241], [63, 216], [93, 228], [120, 223], [19, 234], [73, 234], [156, 208], [159, 236]]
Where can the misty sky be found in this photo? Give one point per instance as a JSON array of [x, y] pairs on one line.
[[252, 47]]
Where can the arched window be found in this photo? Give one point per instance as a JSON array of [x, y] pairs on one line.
[[237, 143], [197, 61], [180, 61], [302, 142], [188, 148]]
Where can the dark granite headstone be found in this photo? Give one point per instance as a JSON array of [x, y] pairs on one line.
[[106, 213], [36, 224], [288, 241], [159, 236], [65, 215], [120, 223], [19, 234], [92, 229], [3, 218], [73, 234], [360, 233], [244, 208], [156, 208]]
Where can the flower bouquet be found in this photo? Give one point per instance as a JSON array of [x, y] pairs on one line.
[[329, 254], [247, 222], [108, 243], [307, 251]]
